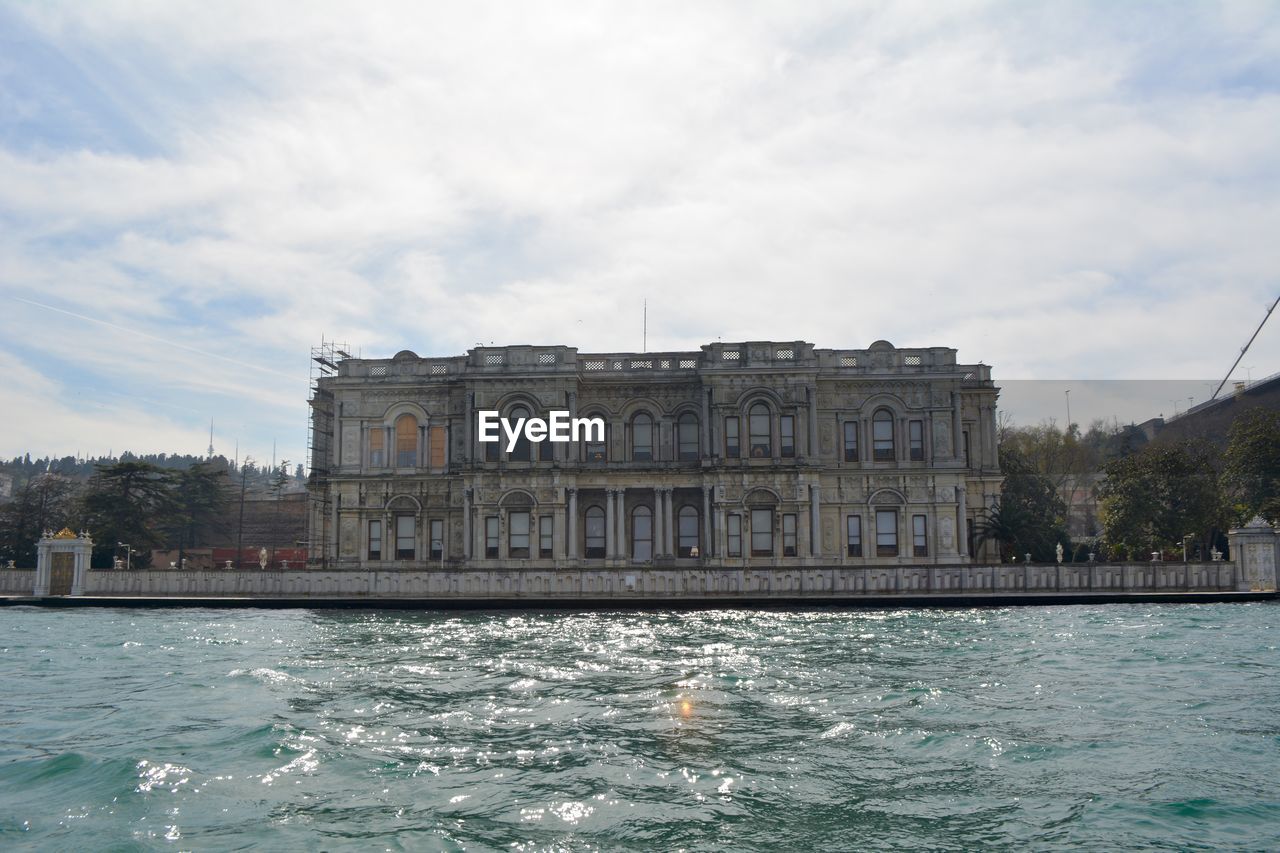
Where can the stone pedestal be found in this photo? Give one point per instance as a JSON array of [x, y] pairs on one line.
[[1253, 548]]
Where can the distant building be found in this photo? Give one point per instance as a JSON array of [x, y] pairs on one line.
[[737, 455]]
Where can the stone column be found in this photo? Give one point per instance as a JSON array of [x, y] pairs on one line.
[[815, 520], [706, 424], [83, 548], [610, 525], [813, 423], [44, 566], [657, 521], [470, 415], [957, 428], [571, 546], [668, 526], [962, 522], [466, 524], [706, 522], [621, 516], [424, 446], [1253, 549]]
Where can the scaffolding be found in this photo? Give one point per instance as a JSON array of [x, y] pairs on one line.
[[320, 449]]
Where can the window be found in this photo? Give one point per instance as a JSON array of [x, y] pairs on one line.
[[406, 441], [522, 452], [761, 432], [732, 450], [642, 534], [788, 534], [853, 534], [437, 538], [546, 524], [438, 439], [787, 431], [882, 436], [597, 451], [377, 446], [966, 446], [546, 451], [733, 527], [762, 533], [405, 534], [595, 532], [850, 441], [687, 435], [688, 530], [375, 540], [642, 439], [919, 540], [886, 533], [491, 450], [518, 534], [491, 536], [915, 440]]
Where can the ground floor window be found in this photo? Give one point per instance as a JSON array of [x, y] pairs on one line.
[[853, 534], [886, 533], [788, 535], [518, 534], [405, 530], [375, 540], [594, 533], [919, 539], [688, 531], [491, 536], [762, 533], [734, 531], [437, 538], [545, 527]]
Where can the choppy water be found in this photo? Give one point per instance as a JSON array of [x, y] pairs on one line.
[[1095, 727]]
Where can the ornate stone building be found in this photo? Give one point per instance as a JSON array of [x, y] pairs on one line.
[[738, 455]]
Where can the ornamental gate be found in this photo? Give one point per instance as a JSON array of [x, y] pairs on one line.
[[64, 567]]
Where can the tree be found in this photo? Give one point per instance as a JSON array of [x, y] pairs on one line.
[[1029, 516], [1251, 466], [195, 504], [126, 502], [46, 502], [1153, 499]]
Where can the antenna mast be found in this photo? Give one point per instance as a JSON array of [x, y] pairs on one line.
[[644, 334]]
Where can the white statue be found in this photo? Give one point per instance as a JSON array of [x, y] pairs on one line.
[[1058, 552], [262, 558]]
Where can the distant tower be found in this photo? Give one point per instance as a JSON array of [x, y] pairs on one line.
[[210, 438]]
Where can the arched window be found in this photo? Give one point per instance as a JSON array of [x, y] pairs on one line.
[[761, 431], [642, 438], [521, 452], [596, 447], [642, 534], [687, 435], [688, 531], [377, 446], [406, 441], [595, 532], [882, 436]]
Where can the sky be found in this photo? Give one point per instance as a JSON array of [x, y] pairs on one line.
[[192, 195]]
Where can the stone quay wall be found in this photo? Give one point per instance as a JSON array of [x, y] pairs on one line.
[[645, 583]]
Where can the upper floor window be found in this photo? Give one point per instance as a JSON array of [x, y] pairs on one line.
[[437, 438], [522, 451], [759, 423], [642, 438], [597, 451], [850, 441], [882, 436], [377, 446], [915, 440], [787, 432], [406, 441], [687, 436], [732, 449]]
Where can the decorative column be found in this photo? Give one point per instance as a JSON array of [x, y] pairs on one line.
[[610, 529], [470, 415], [957, 429], [571, 546], [623, 551], [466, 524], [658, 529], [706, 522], [812, 391], [815, 534], [962, 521], [706, 424]]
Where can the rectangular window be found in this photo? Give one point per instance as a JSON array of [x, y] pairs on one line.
[[405, 534], [966, 447], [762, 533], [850, 441], [788, 535], [546, 524], [546, 451], [596, 450], [377, 447], [375, 540], [437, 439], [491, 451], [853, 534], [915, 439], [919, 539], [886, 533], [437, 538], [734, 529], [732, 449], [491, 536], [882, 449], [787, 429], [595, 538], [518, 534], [642, 439]]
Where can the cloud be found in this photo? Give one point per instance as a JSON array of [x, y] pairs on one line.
[[1079, 191]]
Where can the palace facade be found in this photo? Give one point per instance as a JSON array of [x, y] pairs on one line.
[[747, 455]]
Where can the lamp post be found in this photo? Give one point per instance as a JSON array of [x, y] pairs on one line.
[[1184, 545], [128, 555]]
